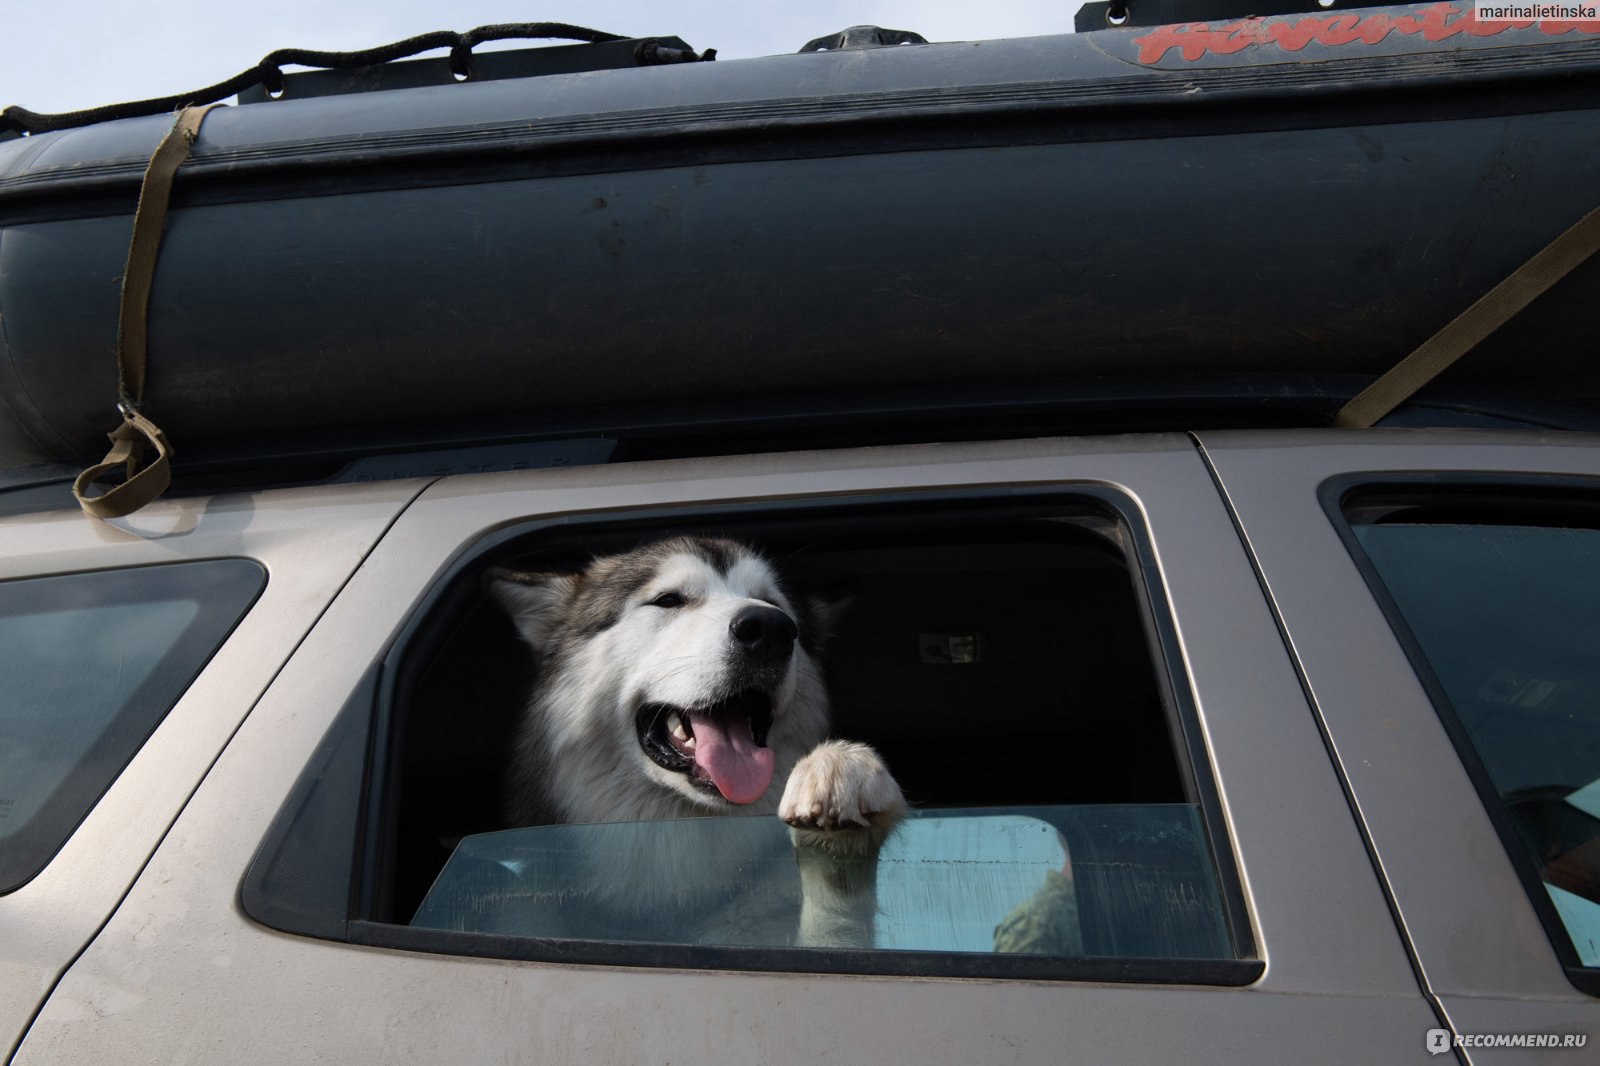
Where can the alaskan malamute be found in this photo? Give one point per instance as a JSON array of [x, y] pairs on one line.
[[681, 679]]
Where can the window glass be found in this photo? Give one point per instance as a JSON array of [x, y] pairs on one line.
[[1125, 881], [1507, 618], [57, 708], [92, 662]]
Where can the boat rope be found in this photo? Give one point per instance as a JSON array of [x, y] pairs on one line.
[[141, 483], [1464, 332], [269, 72]]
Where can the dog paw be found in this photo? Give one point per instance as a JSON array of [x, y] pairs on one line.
[[841, 786]]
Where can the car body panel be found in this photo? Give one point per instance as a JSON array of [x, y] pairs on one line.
[[1478, 941], [309, 542], [180, 974]]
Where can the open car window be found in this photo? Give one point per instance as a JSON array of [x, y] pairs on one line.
[[1497, 598], [1006, 653]]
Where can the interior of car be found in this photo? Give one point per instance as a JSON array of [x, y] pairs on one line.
[[996, 653]]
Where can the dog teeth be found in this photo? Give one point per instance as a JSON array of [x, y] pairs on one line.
[[675, 725]]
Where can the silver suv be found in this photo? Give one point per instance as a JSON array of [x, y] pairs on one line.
[[1228, 736], [1310, 714]]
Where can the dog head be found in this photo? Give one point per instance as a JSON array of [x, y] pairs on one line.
[[685, 662]]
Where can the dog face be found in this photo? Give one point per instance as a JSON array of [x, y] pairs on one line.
[[682, 668]]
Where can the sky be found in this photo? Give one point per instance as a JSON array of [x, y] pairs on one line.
[[63, 55]]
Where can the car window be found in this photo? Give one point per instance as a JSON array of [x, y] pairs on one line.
[[1500, 608], [91, 664], [1006, 656]]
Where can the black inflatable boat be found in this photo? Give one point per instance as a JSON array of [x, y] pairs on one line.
[[1194, 215]]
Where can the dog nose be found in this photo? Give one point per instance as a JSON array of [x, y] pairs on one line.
[[763, 631]]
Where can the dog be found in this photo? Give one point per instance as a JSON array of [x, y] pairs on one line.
[[682, 679]]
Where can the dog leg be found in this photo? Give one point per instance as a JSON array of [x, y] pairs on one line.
[[841, 804], [838, 898]]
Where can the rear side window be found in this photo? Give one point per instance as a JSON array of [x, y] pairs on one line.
[[1004, 653], [91, 664], [1498, 600]]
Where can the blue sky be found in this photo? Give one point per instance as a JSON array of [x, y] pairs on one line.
[[70, 54]]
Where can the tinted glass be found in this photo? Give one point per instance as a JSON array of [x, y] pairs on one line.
[[91, 664], [1507, 618], [1125, 881]]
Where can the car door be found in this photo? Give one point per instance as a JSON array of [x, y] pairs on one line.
[[264, 929], [1423, 582], [131, 651]]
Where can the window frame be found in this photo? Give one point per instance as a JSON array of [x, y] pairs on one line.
[[375, 712], [1552, 494]]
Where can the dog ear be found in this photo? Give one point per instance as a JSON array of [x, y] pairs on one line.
[[536, 602], [824, 613]]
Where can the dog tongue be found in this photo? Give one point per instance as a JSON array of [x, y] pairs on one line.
[[727, 752]]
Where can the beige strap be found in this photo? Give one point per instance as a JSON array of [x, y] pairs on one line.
[[140, 486], [1470, 327]]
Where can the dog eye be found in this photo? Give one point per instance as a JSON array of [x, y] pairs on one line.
[[668, 599]]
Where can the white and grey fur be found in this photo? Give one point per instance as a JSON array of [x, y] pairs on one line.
[[607, 650]]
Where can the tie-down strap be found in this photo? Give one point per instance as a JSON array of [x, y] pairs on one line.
[[1491, 311], [141, 484]]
